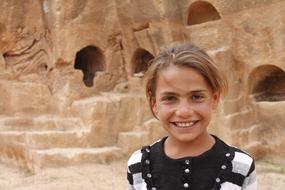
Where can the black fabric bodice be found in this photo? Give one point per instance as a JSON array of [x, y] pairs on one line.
[[196, 173]]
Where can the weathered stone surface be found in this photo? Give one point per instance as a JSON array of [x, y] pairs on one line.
[[153, 129], [130, 141], [71, 156], [110, 114], [86, 60], [2, 63], [271, 131], [19, 97], [40, 123]]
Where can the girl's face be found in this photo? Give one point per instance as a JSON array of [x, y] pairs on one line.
[[184, 103]]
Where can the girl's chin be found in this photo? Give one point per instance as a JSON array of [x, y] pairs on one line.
[[184, 138]]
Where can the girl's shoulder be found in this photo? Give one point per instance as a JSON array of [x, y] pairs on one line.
[[241, 161], [234, 152], [241, 156], [238, 168], [136, 156]]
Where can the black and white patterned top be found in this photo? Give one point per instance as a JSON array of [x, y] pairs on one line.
[[221, 168]]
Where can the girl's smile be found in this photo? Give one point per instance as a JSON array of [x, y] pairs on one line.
[[184, 124]]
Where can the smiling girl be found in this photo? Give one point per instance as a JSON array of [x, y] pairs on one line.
[[183, 88]]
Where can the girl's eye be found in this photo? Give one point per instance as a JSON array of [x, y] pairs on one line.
[[197, 97], [168, 99]]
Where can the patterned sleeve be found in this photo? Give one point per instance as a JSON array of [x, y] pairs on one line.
[[250, 182], [130, 180], [134, 170]]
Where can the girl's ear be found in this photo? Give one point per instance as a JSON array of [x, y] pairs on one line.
[[216, 100]]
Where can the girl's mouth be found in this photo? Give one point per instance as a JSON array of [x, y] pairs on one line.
[[184, 124]]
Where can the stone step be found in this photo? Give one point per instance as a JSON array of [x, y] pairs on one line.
[[251, 130], [257, 149], [71, 156], [131, 141], [110, 105], [14, 154], [46, 139], [239, 118], [40, 123]]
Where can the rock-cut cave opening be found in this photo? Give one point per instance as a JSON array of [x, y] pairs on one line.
[[141, 61], [268, 84], [89, 60], [200, 12]]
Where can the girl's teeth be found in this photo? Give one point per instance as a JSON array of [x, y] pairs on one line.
[[188, 124]]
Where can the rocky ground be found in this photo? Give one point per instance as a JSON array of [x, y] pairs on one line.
[[107, 176]]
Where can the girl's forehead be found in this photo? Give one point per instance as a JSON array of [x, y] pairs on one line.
[[177, 78], [178, 71], [180, 67]]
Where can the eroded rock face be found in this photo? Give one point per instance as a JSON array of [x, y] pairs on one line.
[[60, 58]]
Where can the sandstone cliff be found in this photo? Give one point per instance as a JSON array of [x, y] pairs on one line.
[[71, 74]]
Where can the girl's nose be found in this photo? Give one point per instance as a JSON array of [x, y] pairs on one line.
[[184, 110]]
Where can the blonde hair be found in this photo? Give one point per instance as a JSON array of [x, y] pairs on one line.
[[187, 55]]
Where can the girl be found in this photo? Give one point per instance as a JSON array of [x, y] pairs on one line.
[[183, 87]]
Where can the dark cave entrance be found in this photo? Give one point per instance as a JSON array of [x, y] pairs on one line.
[[141, 61], [89, 60], [268, 83], [200, 12]]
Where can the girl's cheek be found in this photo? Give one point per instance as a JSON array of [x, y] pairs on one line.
[[164, 108], [203, 107]]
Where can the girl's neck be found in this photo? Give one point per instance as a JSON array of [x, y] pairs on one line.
[[177, 149]]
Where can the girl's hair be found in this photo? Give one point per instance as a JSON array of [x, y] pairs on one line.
[[186, 55]]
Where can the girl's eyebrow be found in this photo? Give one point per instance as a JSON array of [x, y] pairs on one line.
[[198, 91], [166, 93], [169, 93]]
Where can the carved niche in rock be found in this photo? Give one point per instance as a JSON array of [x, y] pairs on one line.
[[267, 83], [89, 60], [141, 61], [202, 11]]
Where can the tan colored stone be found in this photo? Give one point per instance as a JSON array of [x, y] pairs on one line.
[[271, 117], [2, 63], [40, 42], [19, 97], [110, 114], [64, 157], [153, 129], [131, 141]]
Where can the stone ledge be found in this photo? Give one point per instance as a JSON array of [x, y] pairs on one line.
[[71, 156]]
